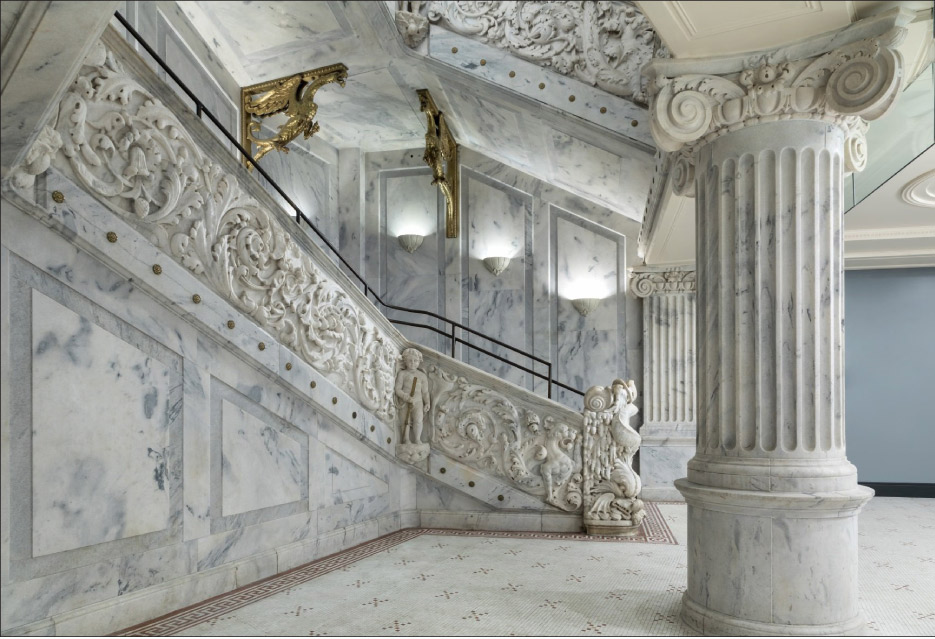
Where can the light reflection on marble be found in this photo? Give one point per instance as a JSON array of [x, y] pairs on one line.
[[260, 464], [99, 449]]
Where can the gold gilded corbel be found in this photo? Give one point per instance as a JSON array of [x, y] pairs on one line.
[[293, 96], [441, 154]]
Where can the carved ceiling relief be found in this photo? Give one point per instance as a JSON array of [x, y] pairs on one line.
[[130, 151], [483, 429], [605, 44]]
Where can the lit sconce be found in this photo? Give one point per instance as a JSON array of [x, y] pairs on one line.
[[411, 242], [496, 265], [585, 305]]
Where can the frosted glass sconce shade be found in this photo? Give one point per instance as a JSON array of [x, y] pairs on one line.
[[496, 265], [410, 242], [585, 305]]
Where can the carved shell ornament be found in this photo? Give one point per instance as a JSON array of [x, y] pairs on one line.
[[129, 150]]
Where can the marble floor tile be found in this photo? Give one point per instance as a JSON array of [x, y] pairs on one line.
[[462, 583]]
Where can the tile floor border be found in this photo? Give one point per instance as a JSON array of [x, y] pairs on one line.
[[654, 530]]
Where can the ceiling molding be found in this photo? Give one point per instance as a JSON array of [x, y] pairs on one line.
[[889, 234], [920, 191]]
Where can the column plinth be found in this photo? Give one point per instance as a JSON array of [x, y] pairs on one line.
[[764, 143]]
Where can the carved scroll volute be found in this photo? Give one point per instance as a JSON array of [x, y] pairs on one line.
[[844, 86], [292, 96], [441, 155], [611, 487]]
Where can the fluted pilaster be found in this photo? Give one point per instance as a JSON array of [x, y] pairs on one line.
[[669, 399]]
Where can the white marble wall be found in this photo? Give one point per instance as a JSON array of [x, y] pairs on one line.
[[561, 247], [155, 461]]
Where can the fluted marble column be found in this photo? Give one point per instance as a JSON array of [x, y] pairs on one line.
[[669, 401], [765, 140]]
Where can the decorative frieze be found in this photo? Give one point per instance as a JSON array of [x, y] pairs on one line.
[[129, 150], [484, 429], [605, 44]]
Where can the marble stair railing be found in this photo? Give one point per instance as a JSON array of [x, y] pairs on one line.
[[122, 136]]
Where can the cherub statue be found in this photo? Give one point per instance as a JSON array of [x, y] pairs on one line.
[[412, 389]]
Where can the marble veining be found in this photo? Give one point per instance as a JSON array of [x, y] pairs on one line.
[[111, 414]]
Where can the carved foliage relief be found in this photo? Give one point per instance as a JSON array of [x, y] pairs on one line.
[[611, 486], [128, 149], [604, 44], [483, 429]]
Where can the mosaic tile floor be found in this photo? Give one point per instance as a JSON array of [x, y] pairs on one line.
[[437, 582]]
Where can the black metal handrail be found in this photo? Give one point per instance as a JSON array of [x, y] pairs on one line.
[[201, 110]]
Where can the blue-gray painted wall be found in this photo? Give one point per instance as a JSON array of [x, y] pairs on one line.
[[890, 374]]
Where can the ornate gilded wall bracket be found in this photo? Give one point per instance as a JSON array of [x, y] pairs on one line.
[[293, 96], [441, 154]]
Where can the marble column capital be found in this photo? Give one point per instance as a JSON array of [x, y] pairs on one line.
[[844, 78], [649, 281]]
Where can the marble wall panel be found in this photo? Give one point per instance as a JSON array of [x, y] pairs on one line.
[[111, 414], [261, 464]]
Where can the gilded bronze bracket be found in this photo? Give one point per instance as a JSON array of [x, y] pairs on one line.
[[292, 96], [441, 154]]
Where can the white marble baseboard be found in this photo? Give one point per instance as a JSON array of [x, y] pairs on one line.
[[661, 493], [502, 521]]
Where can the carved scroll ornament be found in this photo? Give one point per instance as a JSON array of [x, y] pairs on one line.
[[646, 283], [611, 486], [293, 96], [483, 429], [605, 44], [131, 152], [845, 86]]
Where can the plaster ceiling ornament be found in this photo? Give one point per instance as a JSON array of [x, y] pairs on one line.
[[920, 191], [605, 44], [611, 486], [483, 429], [131, 152], [646, 283], [411, 24], [845, 86], [293, 96]]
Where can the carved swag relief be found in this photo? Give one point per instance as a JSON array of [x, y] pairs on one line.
[[130, 151]]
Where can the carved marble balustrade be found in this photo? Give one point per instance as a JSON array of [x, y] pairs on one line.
[[121, 136]]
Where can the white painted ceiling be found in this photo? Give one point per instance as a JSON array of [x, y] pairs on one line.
[[882, 231]]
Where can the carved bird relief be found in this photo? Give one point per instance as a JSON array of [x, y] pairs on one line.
[[295, 97]]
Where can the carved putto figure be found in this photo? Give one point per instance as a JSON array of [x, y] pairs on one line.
[[412, 392], [611, 486]]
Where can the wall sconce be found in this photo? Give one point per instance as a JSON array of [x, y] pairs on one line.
[[585, 305], [496, 265], [411, 242]]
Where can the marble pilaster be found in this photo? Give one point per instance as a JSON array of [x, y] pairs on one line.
[[669, 400], [772, 500]]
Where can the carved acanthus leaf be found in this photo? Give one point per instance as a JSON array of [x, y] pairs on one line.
[[611, 487], [130, 151], [604, 44], [483, 429], [855, 82], [646, 283]]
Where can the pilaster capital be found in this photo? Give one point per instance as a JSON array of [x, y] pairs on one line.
[[844, 78], [649, 281]]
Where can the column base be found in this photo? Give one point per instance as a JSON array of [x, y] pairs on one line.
[[772, 563], [712, 623]]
